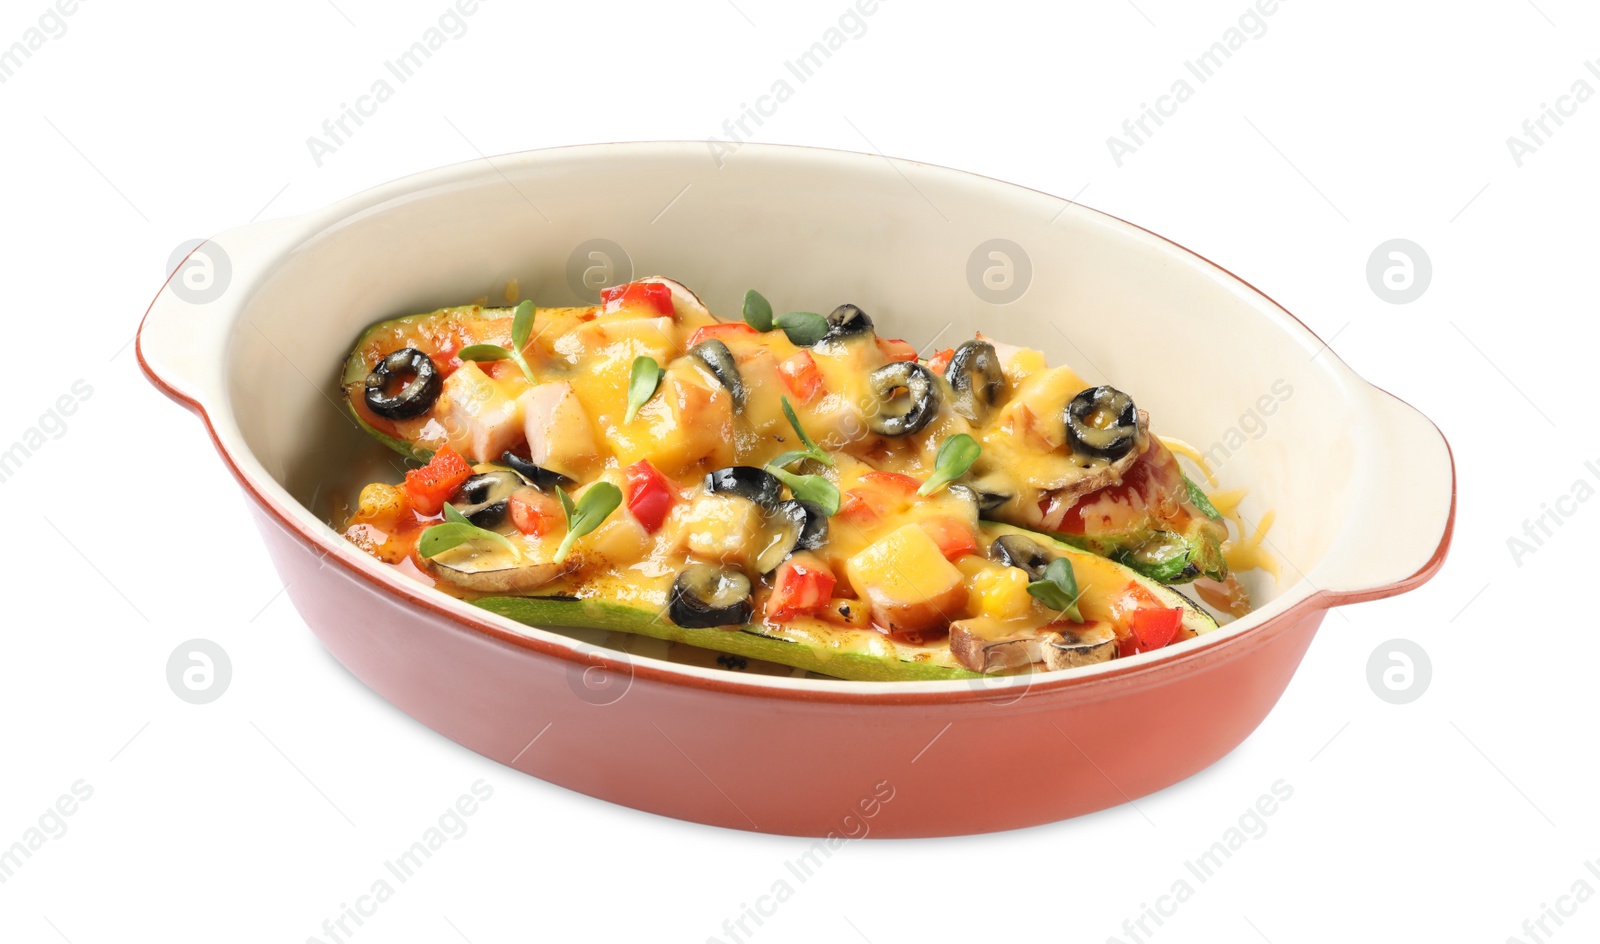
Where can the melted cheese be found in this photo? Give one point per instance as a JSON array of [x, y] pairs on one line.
[[690, 426]]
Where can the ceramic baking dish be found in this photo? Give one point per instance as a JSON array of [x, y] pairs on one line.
[[1362, 485]]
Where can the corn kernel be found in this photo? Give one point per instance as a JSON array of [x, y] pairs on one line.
[[1002, 592]]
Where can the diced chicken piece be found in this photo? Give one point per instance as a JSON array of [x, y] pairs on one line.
[[560, 437], [479, 418], [907, 581]]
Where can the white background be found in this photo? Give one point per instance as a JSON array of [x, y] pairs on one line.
[[1456, 817]]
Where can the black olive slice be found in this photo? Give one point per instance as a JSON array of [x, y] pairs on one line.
[[719, 360], [484, 497], [705, 595], [976, 379], [792, 526], [417, 393], [1103, 422], [921, 388], [847, 321], [746, 481], [813, 523], [1027, 555], [975, 493], [541, 477]]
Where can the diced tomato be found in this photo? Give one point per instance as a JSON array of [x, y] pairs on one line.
[[446, 360], [801, 376], [892, 481], [940, 361], [955, 538], [431, 486], [799, 587], [1155, 628], [722, 332], [638, 295], [650, 495], [534, 512], [877, 495], [1132, 599], [861, 506], [897, 350]]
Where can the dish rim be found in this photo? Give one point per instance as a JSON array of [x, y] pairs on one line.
[[1230, 640]]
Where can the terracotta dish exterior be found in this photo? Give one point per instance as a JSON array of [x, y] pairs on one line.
[[1362, 485]]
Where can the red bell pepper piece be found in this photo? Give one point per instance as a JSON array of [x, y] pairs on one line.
[[650, 495], [535, 513], [1154, 629], [895, 349], [801, 376], [638, 294], [722, 332], [799, 587], [954, 537], [429, 487]]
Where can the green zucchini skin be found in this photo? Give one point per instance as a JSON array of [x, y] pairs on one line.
[[1195, 553], [748, 641], [744, 641], [751, 641], [356, 369]]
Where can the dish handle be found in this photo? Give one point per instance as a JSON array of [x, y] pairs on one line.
[[182, 341], [1398, 531]]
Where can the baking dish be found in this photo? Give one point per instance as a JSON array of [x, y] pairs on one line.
[[1362, 486]]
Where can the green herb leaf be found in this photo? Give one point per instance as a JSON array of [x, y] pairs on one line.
[[1200, 501], [785, 459], [456, 531], [757, 311], [642, 384], [956, 455], [812, 449], [483, 352], [1058, 590], [592, 509], [522, 325], [804, 328], [811, 488]]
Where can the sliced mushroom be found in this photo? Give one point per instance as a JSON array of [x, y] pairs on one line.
[[976, 647], [705, 595], [983, 644], [716, 358], [484, 497], [1069, 645], [903, 380], [485, 566], [419, 381], [1102, 422], [976, 380]]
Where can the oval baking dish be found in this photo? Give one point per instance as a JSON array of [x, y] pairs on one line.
[[930, 252]]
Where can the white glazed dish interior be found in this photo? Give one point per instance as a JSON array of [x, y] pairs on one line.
[[1340, 459]]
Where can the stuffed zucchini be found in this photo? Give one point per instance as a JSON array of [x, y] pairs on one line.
[[794, 489]]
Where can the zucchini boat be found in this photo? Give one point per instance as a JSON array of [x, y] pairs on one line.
[[797, 490]]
